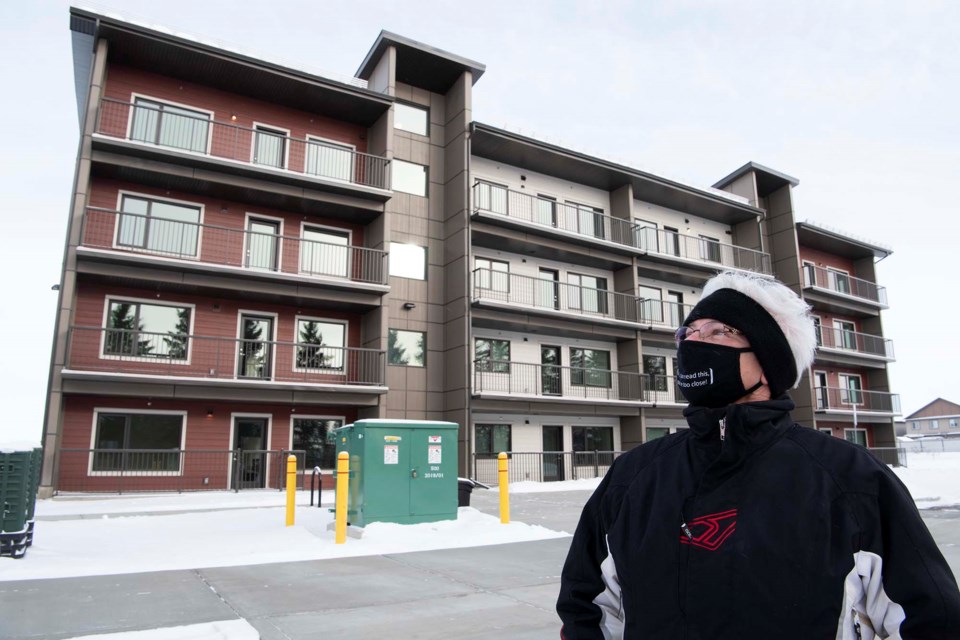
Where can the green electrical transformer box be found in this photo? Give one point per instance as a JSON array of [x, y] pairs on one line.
[[402, 471]]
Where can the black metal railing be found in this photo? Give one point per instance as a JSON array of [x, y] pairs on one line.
[[544, 380], [864, 343], [850, 400], [593, 223], [890, 455], [197, 356], [180, 470], [842, 283], [551, 466], [195, 132], [223, 246]]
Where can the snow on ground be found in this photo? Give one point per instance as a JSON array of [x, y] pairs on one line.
[[101, 535], [238, 629]]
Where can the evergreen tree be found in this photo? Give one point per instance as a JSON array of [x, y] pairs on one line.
[[309, 352], [176, 340], [396, 353]]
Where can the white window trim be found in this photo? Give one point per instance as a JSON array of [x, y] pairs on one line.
[[239, 339], [266, 444], [133, 100], [335, 231], [296, 340], [126, 410], [309, 416], [246, 241], [826, 430], [845, 387], [286, 145], [334, 143], [838, 327], [107, 299], [803, 268], [866, 440], [134, 194]]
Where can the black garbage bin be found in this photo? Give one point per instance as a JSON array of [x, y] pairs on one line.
[[464, 489]]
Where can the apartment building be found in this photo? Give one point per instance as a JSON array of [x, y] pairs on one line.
[[938, 418], [256, 254]]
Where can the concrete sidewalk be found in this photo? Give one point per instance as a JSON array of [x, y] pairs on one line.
[[502, 591]]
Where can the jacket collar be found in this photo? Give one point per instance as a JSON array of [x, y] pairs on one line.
[[751, 423]]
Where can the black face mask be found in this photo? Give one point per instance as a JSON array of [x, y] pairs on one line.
[[709, 374]]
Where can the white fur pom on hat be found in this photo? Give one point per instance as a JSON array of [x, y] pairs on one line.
[[786, 308]]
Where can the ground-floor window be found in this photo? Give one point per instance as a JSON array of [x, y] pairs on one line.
[[858, 436], [310, 435], [656, 432], [491, 439], [145, 442], [593, 438]]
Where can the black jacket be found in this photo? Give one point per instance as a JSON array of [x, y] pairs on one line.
[[775, 531]]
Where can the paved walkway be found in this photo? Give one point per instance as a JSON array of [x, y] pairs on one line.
[[494, 592]]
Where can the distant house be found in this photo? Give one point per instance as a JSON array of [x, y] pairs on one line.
[[938, 418]]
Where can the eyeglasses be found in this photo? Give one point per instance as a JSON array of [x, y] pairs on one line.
[[713, 331]]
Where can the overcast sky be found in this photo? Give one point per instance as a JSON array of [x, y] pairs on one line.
[[858, 100]]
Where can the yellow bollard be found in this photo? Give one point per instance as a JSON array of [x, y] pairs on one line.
[[504, 488], [343, 476], [291, 487]]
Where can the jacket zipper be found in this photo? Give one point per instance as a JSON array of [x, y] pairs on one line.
[[723, 429]]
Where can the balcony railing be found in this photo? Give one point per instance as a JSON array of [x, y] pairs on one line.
[[125, 351], [189, 131], [663, 313], [579, 383], [844, 284], [223, 246], [850, 400], [550, 295], [549, 466], [853, 341], [593, 224]]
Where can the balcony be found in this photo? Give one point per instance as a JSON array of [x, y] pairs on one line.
[[191, 134], [550, 297], [524, 380], [842, 344], [856, 401], [664, 315], [588, 225], [202, 359], [184, 245], [842, 289]]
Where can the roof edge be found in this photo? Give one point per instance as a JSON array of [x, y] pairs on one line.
[[386, 38], [759, 168]]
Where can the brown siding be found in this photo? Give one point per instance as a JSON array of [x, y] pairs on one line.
[[825, 260]]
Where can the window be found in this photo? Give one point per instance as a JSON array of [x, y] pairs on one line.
[[169, 126], [409, 177], [146, 330], [587, 293], [155, 437], [310, 435], [593, 438], [826, 430], [546, 210], [270, 146], [859, 436], [809, 274], [492, 355], [324, 252], [491, 197], [406, 348], [915, 426], [839, 280], [589, 220], [656, 432], [656, 369], [851, 391], [710, 248], [493, 274], [320, 344], [671, 241], [953, 423], [935, 424], [651, 304], [818, 330], [847, 333], [645, 235], [407, 117], [408, 261], [160, 227], [329, 160], [491, 439], [589, 367]]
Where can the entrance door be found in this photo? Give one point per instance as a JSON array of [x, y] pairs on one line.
[[548, 289], [550, 379], [552, 453], [255, 359], [675, 308], [820, 387], [263, 237], [250, 437]]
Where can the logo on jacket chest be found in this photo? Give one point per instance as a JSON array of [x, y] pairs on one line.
[[711, 531]]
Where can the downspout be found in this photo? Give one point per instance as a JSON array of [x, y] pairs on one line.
[[471, 462]]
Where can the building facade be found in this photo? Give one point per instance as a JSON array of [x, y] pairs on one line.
[[256, 255], [938, 418]]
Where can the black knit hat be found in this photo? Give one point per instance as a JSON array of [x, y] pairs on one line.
[[766, 338]]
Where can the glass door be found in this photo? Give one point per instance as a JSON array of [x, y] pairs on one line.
[[250, 441], [820, 387], [263, 238], [256, 352], [548, 289], [550, 363], [552, 453]]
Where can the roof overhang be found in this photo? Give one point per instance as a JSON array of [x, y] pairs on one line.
[[541, 157], [420, 65], [768, 180], [193, 61], [838, 243]]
